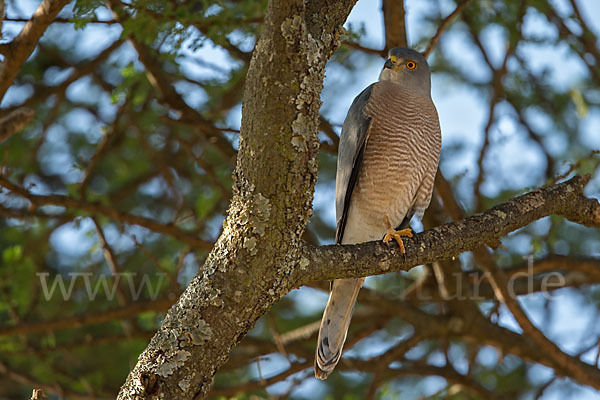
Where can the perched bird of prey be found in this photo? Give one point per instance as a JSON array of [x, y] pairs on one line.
[[387, 159]]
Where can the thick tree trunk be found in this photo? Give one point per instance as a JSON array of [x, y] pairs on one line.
[[274, 182]]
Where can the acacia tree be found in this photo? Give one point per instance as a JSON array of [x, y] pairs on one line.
[[116, 146]]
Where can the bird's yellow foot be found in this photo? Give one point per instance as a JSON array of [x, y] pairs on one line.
[[396, 235]]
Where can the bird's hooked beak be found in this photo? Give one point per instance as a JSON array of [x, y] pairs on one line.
[[391, 63]]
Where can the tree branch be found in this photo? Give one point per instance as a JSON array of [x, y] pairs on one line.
[[127, 311], [100, 209], [443, 26], [367, 50], [395, 25], [19, 49], [14, 122], [448, 241], [53, 388], [501, 288]]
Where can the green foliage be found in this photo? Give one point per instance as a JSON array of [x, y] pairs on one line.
[[84, 12]]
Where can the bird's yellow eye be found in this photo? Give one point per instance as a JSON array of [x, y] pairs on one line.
[[411, 65]]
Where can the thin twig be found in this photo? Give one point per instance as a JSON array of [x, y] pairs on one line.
[[443, 26], [100, 209], [14, 122], [65, 20], [89, 318]]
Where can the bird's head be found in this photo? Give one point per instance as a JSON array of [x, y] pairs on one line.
[[408, 68]]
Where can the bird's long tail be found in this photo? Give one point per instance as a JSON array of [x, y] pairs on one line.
[[334, 325]]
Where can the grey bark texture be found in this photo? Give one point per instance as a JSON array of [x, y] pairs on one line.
[[250, 267]]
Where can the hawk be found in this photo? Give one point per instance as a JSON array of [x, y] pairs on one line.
[[387, 160]]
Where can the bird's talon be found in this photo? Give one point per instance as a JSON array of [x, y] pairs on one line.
[[397, 236], [387, 238]]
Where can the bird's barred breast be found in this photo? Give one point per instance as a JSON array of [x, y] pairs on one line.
[[400, 159]]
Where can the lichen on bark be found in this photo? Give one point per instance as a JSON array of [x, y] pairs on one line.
[[276, 170]]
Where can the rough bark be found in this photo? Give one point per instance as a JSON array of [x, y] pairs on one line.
[[250, 265]]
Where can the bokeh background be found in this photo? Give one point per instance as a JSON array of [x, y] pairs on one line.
[[517, 88]]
